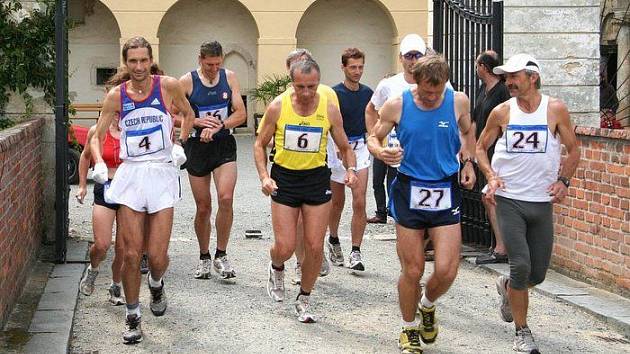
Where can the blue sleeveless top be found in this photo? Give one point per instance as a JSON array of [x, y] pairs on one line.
[[430, 139], [215, 101]]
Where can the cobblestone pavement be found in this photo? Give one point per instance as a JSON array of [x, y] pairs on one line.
[[357, 313]]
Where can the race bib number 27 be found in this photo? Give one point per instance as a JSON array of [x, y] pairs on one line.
[[430, 196], [302, 139]]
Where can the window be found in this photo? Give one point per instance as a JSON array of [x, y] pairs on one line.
[[103, 75]]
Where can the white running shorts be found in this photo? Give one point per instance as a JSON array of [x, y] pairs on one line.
[[362, 154], [145, 186]]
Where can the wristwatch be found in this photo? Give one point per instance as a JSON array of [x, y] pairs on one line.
[[180, 141], [353, 169], [564, 181], [468, 159]]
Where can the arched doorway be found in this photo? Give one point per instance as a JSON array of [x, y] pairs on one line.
[[188, 23], [94, 46], [327, 28]]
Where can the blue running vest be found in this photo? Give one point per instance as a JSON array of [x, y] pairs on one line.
[[215, 101], [430, 139]]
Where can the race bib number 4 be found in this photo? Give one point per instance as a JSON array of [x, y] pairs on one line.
[[145, 141], [302, 139], [430, 196], [526, 138]]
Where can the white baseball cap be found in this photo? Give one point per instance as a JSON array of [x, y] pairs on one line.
[[412, 42], [517, 63]]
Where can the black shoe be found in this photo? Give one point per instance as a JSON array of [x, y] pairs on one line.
[[377, 220], [491, 258], [133, 332]]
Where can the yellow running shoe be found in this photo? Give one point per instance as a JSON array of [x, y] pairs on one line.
[[409, 341], [428, 327]]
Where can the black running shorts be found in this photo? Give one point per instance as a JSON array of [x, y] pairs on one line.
[[203, 158], [297, 187]]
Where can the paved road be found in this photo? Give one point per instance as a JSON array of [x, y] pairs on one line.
[[357, 314]]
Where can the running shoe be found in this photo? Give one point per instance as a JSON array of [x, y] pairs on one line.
[[325, 269], [144, 264], [428, 327], [355, 261], [334, 253], [223, 267], [87, 282], [203, 269], [158, 299], [409, 340], [524, 341], [133, 331], [302, 309], [115, 295], [275, 284], [504, 309], [297, 280]]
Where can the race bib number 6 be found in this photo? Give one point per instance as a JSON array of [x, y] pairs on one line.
[[430, 196], [302, 139], [526, 138], [145, 141]]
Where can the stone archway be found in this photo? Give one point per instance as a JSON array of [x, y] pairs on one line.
[[94, 46], [188, 23], [326, 29]]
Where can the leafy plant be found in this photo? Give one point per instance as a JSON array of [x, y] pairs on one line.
[[27, 52], [270, 87]]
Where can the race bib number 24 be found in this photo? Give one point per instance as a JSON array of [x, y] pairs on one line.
[[526, 138]]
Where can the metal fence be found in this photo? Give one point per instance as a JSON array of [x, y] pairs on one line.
[[462, 30]]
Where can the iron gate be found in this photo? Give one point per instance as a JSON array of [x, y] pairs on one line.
[[462, 30]]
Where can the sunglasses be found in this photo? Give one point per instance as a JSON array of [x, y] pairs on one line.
[[410, 56]]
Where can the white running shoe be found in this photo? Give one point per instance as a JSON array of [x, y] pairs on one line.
[[87, 282], [505, 309], [275, 284], [203, 269], [133, 330], [524, 341], [325, 269], [223, 267], [297, 279], [115, 295], [302, 309], [355, 262], [334, 253]]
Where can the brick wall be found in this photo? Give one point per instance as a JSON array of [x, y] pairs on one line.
[[592, 227], [20, 208]]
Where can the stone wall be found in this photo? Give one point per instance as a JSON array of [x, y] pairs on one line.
[[21, 208], [592, 226], [564, 36]]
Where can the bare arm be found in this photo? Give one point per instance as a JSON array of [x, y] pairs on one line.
[[181, 105], [265, 132], [488, 136], [186, 82], [238, 115], [466, 131], [84, 160], [339, 137], [111, 110], [389, 117], [371, 116]]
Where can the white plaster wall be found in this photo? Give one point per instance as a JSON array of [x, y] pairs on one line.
[[92, 45], [564, 36], [330, 26]]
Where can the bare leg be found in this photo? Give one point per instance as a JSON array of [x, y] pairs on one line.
[[225, 181], [411, 256], [132, 232], [314, 233], [284, 220], [447, 241], [359, 216], [338, 201], [200, 187]]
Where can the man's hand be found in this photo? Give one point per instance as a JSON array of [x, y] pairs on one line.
[[100, 173], [467, 176], [207, 122], [391, 155], [208, 133], [557, 191], [493, 184], [178, 156], [268, 186], [350, 179]]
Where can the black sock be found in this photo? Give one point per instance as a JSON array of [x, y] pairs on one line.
[[302, 292], [356, 248], [205, 255], [334, 240], [281, 268], [218, 254]]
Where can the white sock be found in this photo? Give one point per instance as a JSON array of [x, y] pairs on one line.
[[115, 284], [425, 302], [93, 269], [409, 324], [133, 311], [155, 283]]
